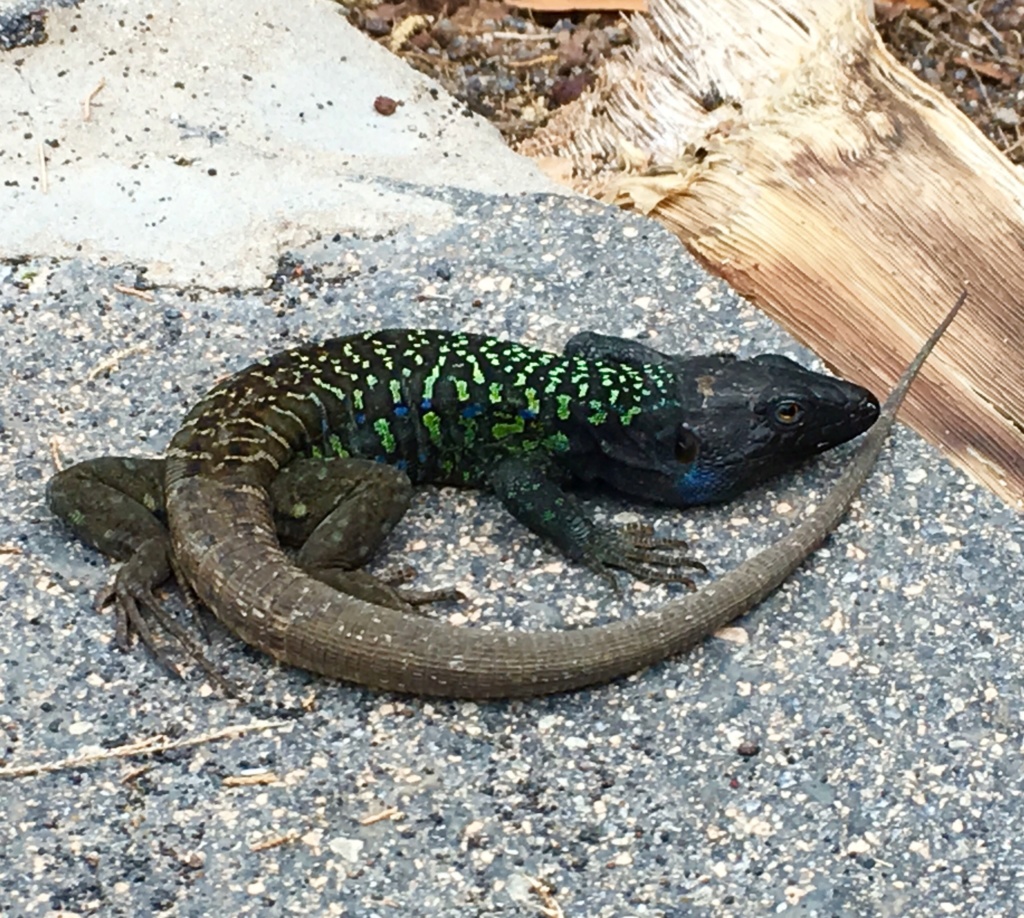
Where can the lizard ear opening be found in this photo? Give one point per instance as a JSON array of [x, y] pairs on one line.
[[687, 446]]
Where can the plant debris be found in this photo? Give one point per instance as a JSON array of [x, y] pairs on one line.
[[511, 66], [973, 52], [515, 66]]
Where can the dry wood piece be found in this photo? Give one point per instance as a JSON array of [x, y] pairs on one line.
[[796, 158]]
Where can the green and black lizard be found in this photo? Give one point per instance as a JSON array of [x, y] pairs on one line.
[[275, 449]]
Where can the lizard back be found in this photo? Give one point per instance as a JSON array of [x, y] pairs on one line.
[[439, 405]]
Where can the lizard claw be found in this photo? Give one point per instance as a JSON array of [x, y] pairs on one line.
[[126, 596]]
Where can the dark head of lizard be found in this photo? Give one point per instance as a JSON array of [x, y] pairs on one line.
[[731, 424]]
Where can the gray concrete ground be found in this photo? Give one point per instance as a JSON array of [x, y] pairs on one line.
[[853, 747]]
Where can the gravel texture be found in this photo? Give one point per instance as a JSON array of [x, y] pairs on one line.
[[23, 22], [853, 748]]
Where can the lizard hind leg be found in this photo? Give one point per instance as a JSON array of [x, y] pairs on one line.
[[116, 505], [336, 513]]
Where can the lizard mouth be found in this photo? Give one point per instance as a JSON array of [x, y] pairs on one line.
[[859, 417]]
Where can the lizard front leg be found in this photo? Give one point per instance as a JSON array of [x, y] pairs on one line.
[[528, 492]]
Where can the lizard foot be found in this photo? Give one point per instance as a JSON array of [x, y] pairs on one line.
[[381, 589], [397, 575], [635, 549], [133, 596]]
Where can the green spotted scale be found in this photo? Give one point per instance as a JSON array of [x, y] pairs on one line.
[[440, 406]]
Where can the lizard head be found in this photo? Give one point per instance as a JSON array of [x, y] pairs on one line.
[[753, 419], [731, 424]]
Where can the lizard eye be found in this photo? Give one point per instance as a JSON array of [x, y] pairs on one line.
[[687, 446], [788, 412]]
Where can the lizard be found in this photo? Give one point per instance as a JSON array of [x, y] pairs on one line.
[[468, 410]]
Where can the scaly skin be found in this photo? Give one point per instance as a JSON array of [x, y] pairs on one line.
[[472, 411], [224, 540]]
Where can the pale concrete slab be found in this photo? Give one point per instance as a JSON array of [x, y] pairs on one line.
[[218, 135]]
